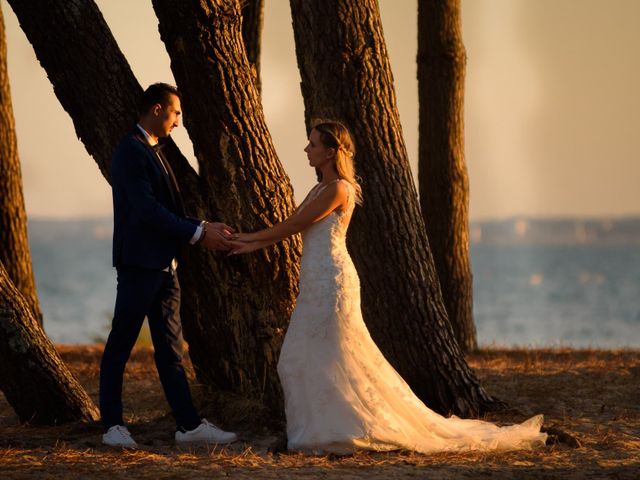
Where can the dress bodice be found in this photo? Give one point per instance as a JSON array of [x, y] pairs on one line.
[[324, 242]]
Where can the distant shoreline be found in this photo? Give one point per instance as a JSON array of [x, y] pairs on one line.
[[508, 218], [145, 343]]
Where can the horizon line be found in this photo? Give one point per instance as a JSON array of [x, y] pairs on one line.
[[483, 219]]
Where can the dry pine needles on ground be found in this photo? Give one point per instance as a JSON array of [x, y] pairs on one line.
[[591, 395]]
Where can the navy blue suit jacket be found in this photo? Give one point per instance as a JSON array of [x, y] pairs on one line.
[[149, 225]]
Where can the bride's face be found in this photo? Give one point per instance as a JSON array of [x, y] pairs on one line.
[[317, 153]]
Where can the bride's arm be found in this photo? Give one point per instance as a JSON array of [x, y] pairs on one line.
[[332, 197]]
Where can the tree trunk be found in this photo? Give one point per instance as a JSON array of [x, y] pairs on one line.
[[98, 91], [252, 20], [14, 242], [443, 181], [346, 76], [100, 96], [245, 185], [33, 378]]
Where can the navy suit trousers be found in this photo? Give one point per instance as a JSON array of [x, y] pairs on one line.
[[156, 295]]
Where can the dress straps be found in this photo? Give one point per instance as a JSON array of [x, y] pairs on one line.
[[315, 191]]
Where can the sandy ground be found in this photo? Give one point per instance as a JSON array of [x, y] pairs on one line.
[[592, 395]]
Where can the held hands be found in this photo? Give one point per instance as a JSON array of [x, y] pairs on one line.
[[216, 236], [243, 243], [221, 237]]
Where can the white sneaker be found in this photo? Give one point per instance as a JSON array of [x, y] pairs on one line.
[[206, 432], [119, 436]]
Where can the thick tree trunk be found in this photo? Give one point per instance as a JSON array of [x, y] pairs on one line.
[[14, 243], [89, 74], [100, 95], [244, 185], [98, 91], [33, 378], [346, 76], [252, 21], [443, 181]]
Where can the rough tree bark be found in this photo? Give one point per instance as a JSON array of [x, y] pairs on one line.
[[252, 21], [244, 184], [14, 242], [442, 172], [99, 92], [33, 378], [346, 76]]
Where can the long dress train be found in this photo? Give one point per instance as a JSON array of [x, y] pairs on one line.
[[340, 392]]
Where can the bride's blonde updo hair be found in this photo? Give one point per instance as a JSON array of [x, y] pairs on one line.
[[335, 135]]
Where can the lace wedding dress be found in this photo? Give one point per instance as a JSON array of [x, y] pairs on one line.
[[341, 394]]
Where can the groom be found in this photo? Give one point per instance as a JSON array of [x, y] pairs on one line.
[[150, 227]]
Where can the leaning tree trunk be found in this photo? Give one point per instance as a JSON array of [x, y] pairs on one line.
[[252, 21], [244, 184], [100, 92], [33, 378], [346, 76], [442, 173], [14, 243]]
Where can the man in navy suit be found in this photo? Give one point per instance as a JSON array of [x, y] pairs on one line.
[[150, 227]]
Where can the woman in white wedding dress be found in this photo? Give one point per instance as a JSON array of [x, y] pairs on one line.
[[341, 394]]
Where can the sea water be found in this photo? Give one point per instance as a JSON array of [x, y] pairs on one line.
[[566, 287]]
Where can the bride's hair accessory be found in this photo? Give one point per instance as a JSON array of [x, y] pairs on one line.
[[345, 150]]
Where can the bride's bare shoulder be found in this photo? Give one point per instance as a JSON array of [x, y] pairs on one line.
[[337, 188]]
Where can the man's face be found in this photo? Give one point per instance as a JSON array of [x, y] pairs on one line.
[[167, 117]]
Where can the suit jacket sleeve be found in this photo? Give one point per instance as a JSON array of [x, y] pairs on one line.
[[130, 176]]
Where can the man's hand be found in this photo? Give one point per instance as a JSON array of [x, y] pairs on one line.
[[216, 236], [225, 230]]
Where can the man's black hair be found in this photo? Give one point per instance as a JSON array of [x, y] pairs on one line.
[[157, 93]]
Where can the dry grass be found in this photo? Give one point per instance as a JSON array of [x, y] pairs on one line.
[[591, 394]]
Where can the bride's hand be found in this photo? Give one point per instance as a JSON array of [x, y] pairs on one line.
[[239, 247], [241, 237]]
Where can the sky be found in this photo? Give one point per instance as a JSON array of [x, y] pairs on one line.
[[552, 109]]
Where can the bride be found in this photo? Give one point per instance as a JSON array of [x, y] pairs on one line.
[[340, 393]]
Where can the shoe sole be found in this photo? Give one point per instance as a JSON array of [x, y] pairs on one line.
[[131, 447], [204, 442]]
